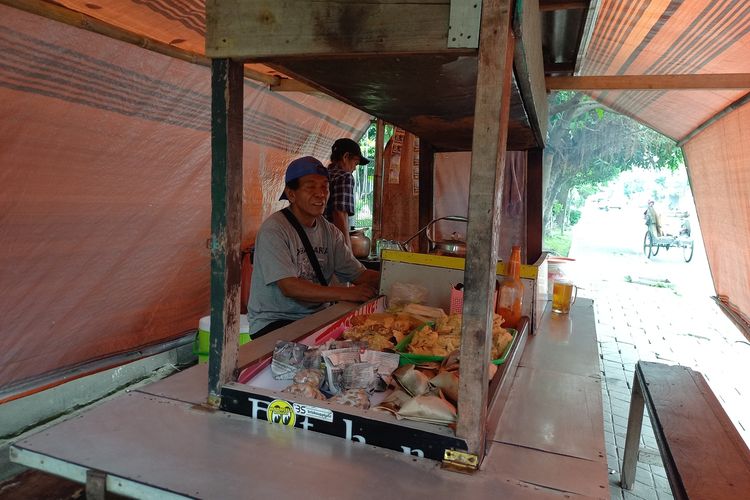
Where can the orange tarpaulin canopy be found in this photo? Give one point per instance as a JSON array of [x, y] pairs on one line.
[[105, 196], [652, 37]]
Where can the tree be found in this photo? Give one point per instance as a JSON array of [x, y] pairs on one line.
[[588, 145]]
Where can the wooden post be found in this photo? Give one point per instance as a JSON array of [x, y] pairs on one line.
[[226, 221], [487, 166], [534, 201], [426, 189], [377, 195]]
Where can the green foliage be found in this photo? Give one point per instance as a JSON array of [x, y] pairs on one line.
[[574, 216], [589, 145], [364, 177], [556, 208], [557, 244]]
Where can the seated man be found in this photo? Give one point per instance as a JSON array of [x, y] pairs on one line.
[[285, 285], [652, 219]]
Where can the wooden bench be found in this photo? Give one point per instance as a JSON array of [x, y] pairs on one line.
[[704, 455]]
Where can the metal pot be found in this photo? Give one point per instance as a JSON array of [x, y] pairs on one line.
[[360, 243], [452, 247]]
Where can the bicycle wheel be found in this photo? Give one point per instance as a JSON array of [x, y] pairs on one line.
[[647, 243], [655, 250], [687, 252]]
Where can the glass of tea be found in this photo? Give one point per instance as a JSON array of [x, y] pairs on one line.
[[564, 294]]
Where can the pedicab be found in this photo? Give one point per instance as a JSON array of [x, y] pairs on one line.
[[658, 236]]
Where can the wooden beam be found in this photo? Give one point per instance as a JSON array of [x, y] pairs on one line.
[[650, 82], [550, 5], [79, 20], [562, 67], [534, 202], [76, 19], [290, 85], [226, 222], [259, 29], [491, 113], [377, 195], [529, 66], [426, 189]]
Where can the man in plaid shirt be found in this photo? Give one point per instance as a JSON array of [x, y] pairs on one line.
[[345, 156]]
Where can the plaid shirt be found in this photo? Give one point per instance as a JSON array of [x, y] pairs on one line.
[[342, 191]]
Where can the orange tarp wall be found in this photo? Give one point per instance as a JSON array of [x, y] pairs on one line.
[[718, 161], [452, 172], [105, 201]]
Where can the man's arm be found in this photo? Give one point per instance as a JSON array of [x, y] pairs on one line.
[[341, 221], [369, 278], [301, 289]]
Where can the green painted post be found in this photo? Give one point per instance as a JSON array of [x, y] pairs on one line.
[[226, 222]]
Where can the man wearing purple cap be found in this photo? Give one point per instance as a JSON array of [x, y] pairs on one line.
[[345, 156], [286, 286]]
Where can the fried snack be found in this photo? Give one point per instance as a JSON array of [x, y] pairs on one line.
[[360, 331], [424, 342], [446, 337], [312, 377], [424, 313], [305, 390], [380, 330], [352, 397], [377, 342], [404, 322], [500, 340], [448, 343]]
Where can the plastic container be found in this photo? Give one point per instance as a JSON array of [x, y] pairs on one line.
[[457, 301], [510, 296], [202, 343]]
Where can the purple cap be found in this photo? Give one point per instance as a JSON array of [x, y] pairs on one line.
[[301, 167]]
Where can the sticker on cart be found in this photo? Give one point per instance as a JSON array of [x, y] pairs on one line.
[[313, 412], [281, 412]]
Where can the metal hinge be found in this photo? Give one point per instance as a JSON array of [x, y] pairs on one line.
[[96, 484], [460, 461]]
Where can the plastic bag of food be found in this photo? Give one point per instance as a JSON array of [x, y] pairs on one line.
[[305, 390], [360, 376], [401, 294], [430, 409], [288, 359], [310, 376], [352, 397]]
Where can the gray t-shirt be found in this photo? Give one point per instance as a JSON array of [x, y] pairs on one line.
[[279, 254]]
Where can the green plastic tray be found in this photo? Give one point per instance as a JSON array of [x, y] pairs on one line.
[[409, 358]]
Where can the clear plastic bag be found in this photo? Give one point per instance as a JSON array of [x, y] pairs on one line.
[[401, 294]]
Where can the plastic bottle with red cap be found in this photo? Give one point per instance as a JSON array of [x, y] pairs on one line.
[[510, 295]]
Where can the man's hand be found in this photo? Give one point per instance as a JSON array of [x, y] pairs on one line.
[[357, 293]]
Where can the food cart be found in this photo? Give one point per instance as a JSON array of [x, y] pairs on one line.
[[534, 430], [499, 419]]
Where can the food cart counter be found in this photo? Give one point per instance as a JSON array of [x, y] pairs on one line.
[[161, 441]]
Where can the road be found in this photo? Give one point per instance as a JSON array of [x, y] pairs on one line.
[[608, 246]]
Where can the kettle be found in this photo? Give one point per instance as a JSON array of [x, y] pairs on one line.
[[360, 243], [452, 247]]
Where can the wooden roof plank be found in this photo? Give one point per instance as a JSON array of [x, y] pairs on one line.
[[262, 29]]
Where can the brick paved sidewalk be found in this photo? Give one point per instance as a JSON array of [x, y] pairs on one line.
[[640, 322]]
